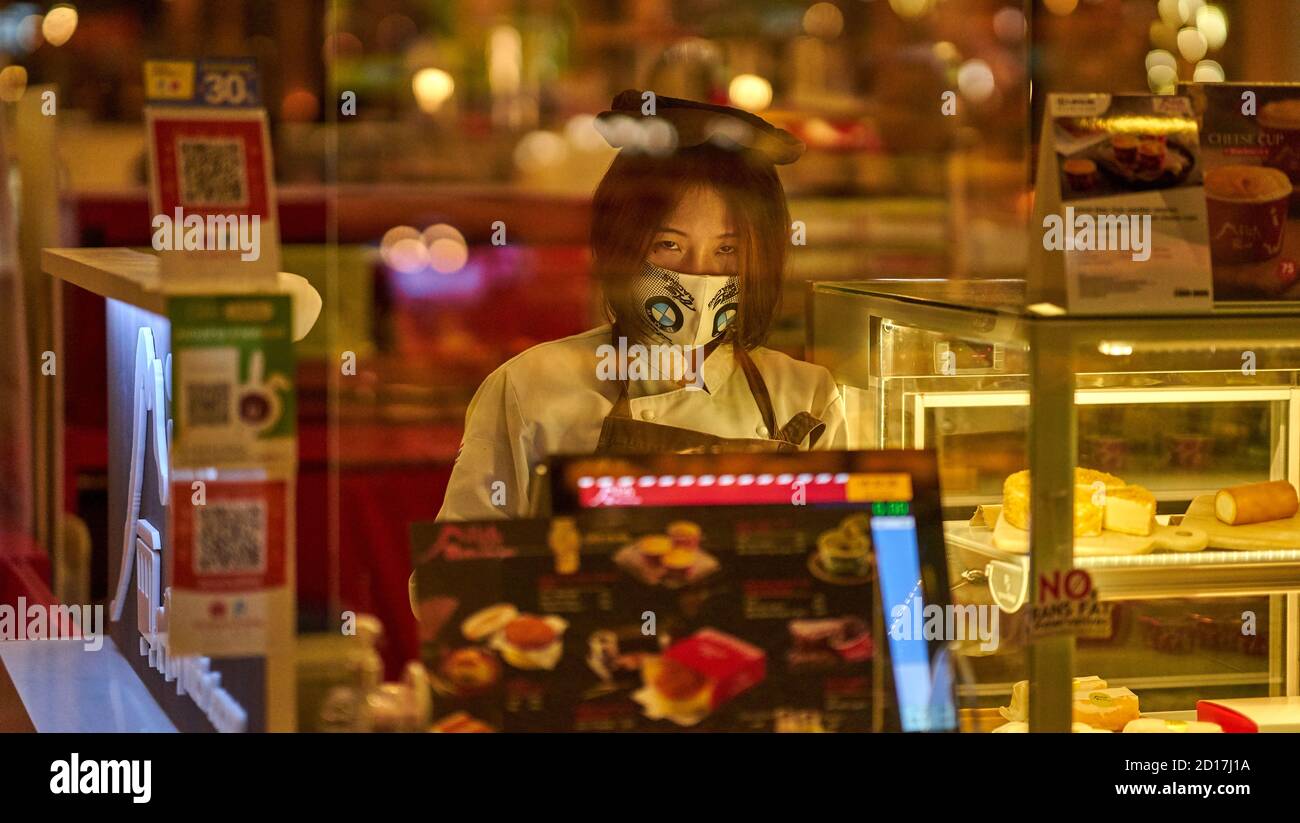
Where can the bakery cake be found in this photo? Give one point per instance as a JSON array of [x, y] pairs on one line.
[[1101, 501]]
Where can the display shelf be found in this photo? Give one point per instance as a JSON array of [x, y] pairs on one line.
[[995, 385], [1159, 574]]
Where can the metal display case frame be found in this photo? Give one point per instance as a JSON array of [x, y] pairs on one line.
[[843, 323]]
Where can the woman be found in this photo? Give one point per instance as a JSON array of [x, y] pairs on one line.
[[689, 248]]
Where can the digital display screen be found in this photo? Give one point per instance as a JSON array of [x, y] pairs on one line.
[[923, 685]]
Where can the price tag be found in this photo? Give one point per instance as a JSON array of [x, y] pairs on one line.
[[226, 82], [870, 487]]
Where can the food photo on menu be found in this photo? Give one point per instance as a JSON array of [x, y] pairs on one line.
[[1250, 136], [1124, 152]]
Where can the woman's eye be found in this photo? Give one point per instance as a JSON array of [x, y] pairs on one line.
[[726, 250], [667, 245]]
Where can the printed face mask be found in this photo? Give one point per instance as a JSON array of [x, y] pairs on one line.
[[684, 309]]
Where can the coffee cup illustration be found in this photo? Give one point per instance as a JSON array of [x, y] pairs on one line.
[[1279, 132], [1247, 210], [258, 401]]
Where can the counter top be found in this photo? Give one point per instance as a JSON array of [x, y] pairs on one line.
[[134, 277], [65, 688]]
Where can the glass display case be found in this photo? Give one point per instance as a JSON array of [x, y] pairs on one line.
[[1178, 406]]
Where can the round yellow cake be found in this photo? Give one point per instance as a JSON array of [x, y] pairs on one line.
[[1088, 505]]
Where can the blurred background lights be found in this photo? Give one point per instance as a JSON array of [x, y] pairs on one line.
[[1191, 44], [1061, 7], [658, 136], [750, 92], [403, 249], [1162, 78], [1211, 22], [823, 20], [299, 105], [13, 82], [397, 233], [446, 255], [1160, 57], [1173, 12], [580, 131], [1164, 36], [1009, 24], [28, 34], [539, 150], [975, 80], [1208, 71], [59, 24], [911, 8], [946, 52], [432, 88], [505, 55], [343, 45]]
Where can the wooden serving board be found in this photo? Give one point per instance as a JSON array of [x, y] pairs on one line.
[[1180, 538], [1273, 534]]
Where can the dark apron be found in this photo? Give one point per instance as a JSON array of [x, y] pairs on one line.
[[621, 433]]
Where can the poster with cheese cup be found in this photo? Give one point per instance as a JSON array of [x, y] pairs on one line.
[[1250, 143], [1119, 207]]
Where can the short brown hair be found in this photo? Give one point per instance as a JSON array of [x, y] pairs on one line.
[[639, 190]]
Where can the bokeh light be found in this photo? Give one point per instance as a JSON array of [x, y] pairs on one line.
[[1173, 12], [580, 131], [13, 82], [1009, 24], [750, 92], [975, 80], [1208, 71], [432, 88], [823, 20], [402, 249], [59, 24], [448, 251], [1162, 79], [1161, 57], [1211, 22], [540, 150], [1192, 44], [1061, 7], [911, 8]]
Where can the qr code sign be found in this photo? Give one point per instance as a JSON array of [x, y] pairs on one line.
[[230, 537], [207, 404], [211, 171]]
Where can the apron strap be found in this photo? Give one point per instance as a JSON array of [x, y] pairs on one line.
[[758, 388]]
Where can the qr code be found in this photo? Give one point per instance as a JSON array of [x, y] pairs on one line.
[[207, 404], [211, 172], [230, 537]]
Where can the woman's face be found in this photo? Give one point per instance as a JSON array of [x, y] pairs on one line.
[[698, 237]]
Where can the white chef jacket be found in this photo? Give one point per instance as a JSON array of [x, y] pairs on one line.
[[550, 400]]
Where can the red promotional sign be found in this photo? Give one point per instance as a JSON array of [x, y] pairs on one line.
[[210, 166], [233, 541]]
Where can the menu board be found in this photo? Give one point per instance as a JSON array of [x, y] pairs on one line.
[[754, 618], [1250, 145], [1120, 207]]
